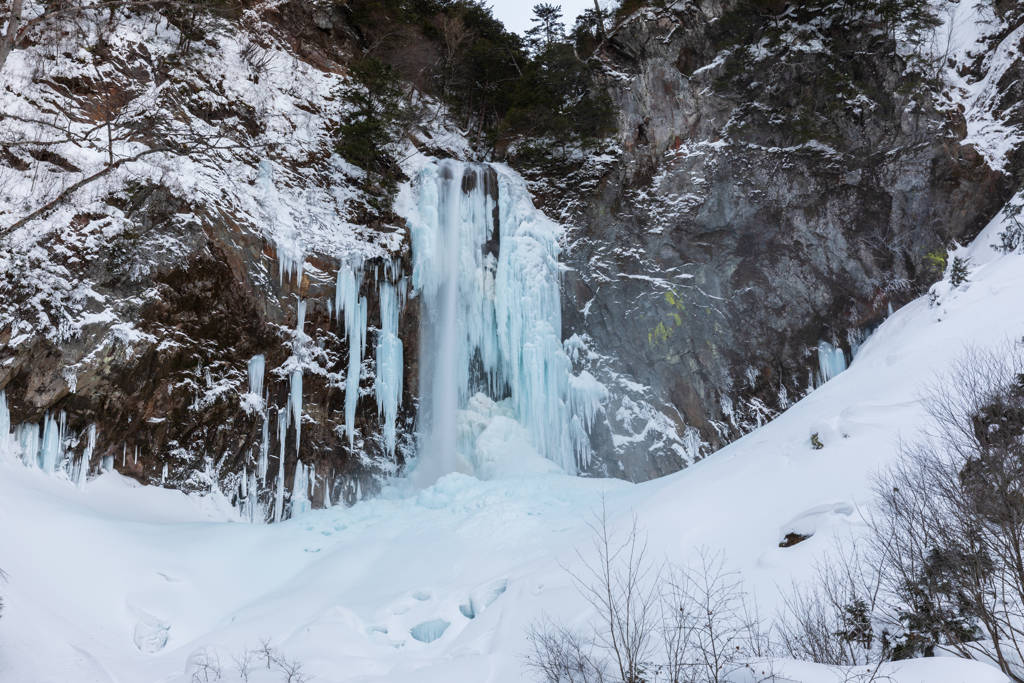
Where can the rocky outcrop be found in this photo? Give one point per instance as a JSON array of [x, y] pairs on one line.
[[137, 304], [762, 199]]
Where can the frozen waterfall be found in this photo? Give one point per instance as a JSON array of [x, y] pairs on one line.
[[485, 265], [831, 361]]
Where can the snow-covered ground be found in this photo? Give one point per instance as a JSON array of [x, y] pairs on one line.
[[126, 583]]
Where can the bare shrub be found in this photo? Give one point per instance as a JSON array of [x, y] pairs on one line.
[[255, 56], [622, 586], [693, 624], [291, 670], [245, 662], [831, 620], [949, 532], [561, 654], [207, 663], [718, 628], [267, 651]]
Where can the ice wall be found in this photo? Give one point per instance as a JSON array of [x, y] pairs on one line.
[[485, 265]]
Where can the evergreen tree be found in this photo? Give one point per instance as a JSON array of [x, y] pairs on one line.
[[958, 272], [372, 126], [548, 28]]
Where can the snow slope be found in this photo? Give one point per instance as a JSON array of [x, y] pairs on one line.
[[96, 577]]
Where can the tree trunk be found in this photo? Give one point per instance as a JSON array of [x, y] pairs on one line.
[[10, 37]]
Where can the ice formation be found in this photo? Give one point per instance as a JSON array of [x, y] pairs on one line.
[[290, 254], [831, 361], [257, 365], [90, 447], [264, 461], [5, 423], [390, 364], [347, 302], [295, 379], [295, 402], [282, 432], [327, 491], [485, 264], [300, 485]]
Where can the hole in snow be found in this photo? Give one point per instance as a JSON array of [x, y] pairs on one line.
[[379, 629], [422, 595], [400, 609], [429, 631], [481, 599]]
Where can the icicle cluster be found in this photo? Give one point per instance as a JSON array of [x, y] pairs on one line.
[[347, 302], [90, 447], [282, 432], [264, 461], [390, 365], [300, 486], [5, 423], [490, 295], [831, 361], [290, 255]]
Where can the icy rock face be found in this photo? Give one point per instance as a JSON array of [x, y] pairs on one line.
[[167, 320], [485, 267], [711, 251]]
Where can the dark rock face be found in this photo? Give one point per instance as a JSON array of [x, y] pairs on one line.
[[168, 390], [743, 222], [137, 308]]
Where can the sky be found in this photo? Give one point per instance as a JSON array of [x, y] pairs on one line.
[[515, 14]]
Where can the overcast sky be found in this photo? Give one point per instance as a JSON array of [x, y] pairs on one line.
[[515, 14]]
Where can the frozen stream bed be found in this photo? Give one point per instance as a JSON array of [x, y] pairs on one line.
[[132, 584]]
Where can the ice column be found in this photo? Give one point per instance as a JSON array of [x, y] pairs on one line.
[[256, 514], [295, 401], [90, 447], [586, 397], [831, 361], [5, 423], [345, 302], [295, 387], [53, 442], [264, 447], [388, 384], [300, 500], [27, 437], [257, 365], [282, 432]]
